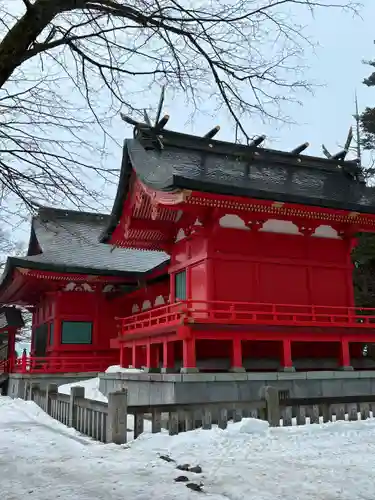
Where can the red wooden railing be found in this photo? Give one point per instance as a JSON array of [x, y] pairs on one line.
[[161, 315], [31, 364], [247, 313]]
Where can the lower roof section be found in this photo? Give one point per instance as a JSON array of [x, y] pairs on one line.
[[64, 246], [24, 282], [68, 241]]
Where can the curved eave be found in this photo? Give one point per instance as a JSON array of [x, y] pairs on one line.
[[121, 195], [199, 186], [33, 246], [91, 271], [6, 281], [135, 159], [128, 276]]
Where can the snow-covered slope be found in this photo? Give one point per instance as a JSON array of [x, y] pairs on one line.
[[41, 459]]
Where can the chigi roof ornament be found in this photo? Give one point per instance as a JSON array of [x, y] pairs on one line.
[[146, 126], [153, 136], [341, 155]]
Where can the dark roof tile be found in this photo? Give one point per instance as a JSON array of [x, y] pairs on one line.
[[70, 238], [250, 172]]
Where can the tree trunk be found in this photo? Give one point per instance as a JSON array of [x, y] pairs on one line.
[[20, 37]]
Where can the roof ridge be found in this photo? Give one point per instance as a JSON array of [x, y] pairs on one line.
[[62, 213]]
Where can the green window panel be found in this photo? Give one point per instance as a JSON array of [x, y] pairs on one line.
[[180, 285], [76, 332]]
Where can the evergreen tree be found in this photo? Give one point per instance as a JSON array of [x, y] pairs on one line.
[[364, 253], [364, 270], [367, 118]]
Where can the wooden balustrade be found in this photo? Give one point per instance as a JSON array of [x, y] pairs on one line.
[[108, 422], [69, 364], [247, 313]]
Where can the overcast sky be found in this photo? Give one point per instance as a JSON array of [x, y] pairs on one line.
[[343, 42]]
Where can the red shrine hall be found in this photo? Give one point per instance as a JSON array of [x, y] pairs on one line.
[[217, 256]]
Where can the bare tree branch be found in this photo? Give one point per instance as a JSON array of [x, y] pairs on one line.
[[67, 67]]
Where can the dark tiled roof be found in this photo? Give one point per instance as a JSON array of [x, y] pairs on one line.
[[71, 239], [214, 166]]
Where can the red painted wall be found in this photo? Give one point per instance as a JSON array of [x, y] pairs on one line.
[[101, 309], [281, 268], [149, 295], [79, 306], [249, 266], [240, 265]]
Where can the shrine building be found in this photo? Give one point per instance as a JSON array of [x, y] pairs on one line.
[[260, 273], [217, 256], [75, 288]]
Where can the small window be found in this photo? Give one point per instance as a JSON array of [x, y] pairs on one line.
[[76, 332], [180, 285], [51, 325]]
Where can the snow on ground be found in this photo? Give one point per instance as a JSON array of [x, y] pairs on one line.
[[119, 369], [42, 459], [91, 386]]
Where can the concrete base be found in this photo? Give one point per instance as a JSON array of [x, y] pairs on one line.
[[287, 369], [18, 382], [347, 368], [148, 389], [189, 370], [237, 369]]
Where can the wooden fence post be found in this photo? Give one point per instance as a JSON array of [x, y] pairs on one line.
[[117, 417], [75, 393], [34, 388], [52, 391], [25, 389], [271, 395]]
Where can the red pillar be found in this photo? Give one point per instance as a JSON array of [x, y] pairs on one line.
[[11, 348], [345, 355], [24, 362], [57, 324], [286, 359], [125, 356], [168, 357], [189, 358], [236, 358], [136, 356], [152, 356]]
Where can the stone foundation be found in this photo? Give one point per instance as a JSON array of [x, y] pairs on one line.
[[18, 382], [151, 388]]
